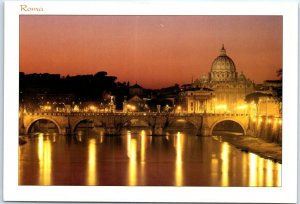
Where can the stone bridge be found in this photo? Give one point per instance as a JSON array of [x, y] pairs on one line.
[[113, 123]]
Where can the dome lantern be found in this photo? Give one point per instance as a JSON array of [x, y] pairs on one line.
[[222, 51]]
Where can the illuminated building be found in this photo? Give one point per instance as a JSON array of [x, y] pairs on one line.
[[229, 87]]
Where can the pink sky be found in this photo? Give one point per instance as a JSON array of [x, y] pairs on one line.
[[155, 51]]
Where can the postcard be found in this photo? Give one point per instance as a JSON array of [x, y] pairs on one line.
[[150, 101]]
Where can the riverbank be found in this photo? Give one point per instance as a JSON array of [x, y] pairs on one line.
[[255, 145]]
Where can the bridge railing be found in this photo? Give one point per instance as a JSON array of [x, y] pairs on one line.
[[108, 114], [132, 114]]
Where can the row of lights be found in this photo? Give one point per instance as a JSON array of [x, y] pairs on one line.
[[279, 121]]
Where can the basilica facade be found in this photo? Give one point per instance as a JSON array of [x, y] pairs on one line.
[[222, 90]]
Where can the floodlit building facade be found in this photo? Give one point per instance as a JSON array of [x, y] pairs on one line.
[[222, 90]]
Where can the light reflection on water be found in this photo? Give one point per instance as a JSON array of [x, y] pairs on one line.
[[92, 160], [135, 158], [225, 164], [132, 163], [178, 174], [45, 160]]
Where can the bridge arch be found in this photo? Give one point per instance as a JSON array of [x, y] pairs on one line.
[[234, 121], [182, 120], [141, 121], [76, 123], [43, 118]]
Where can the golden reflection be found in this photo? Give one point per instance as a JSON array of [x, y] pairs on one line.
[[178, 174], [92, 161], [45, 160], [275, 125], [143, 154], [214, 166], [54, 137], [19, 171], [132, 163], [252, 170], [225, 164], [79, 136], [143, 145], [128, 143], [269, 173], [244, 164], [278, 167], [101, 139], [260, 171]]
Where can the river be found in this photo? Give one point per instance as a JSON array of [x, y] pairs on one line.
[[136, 159]]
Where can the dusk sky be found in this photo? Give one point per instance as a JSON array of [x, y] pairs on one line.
[[155, 51]]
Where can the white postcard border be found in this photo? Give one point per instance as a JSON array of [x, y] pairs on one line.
[[285, 194]]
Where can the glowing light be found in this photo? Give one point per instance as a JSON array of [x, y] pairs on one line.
[[143, 155], [132, 163], [260, 171], [181, 120], [214, 167], [269, 121], [92, 161], [46, 107], [225, 162], [178, 109], [76, 108], [278, 174], [131, 107], [254, 119], [178, 173], [45, 160], [269, 173], [143, 145], [92, 108], [275, 122], [245, 168], [128, 143], [242, 107], [223, 106], [279, 121], [253, 167]]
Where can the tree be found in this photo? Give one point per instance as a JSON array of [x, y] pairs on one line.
[[279, 73]]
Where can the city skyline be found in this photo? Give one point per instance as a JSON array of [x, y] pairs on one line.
[[154, 51]]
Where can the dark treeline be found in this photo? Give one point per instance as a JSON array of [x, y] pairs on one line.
[[39, 88], [96, 87]]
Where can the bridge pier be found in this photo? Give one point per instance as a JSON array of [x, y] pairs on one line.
[[22, 131], [158, 131], [112, 131], [204, 131]]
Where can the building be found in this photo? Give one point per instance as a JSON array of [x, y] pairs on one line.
[[136, 90], [228, 86], [196, 100]]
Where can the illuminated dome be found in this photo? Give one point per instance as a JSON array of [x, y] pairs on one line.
[[223, 68]]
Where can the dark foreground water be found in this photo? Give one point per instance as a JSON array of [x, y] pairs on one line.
[[135, 158]]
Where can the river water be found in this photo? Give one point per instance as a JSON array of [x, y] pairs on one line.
[[137, 159]]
